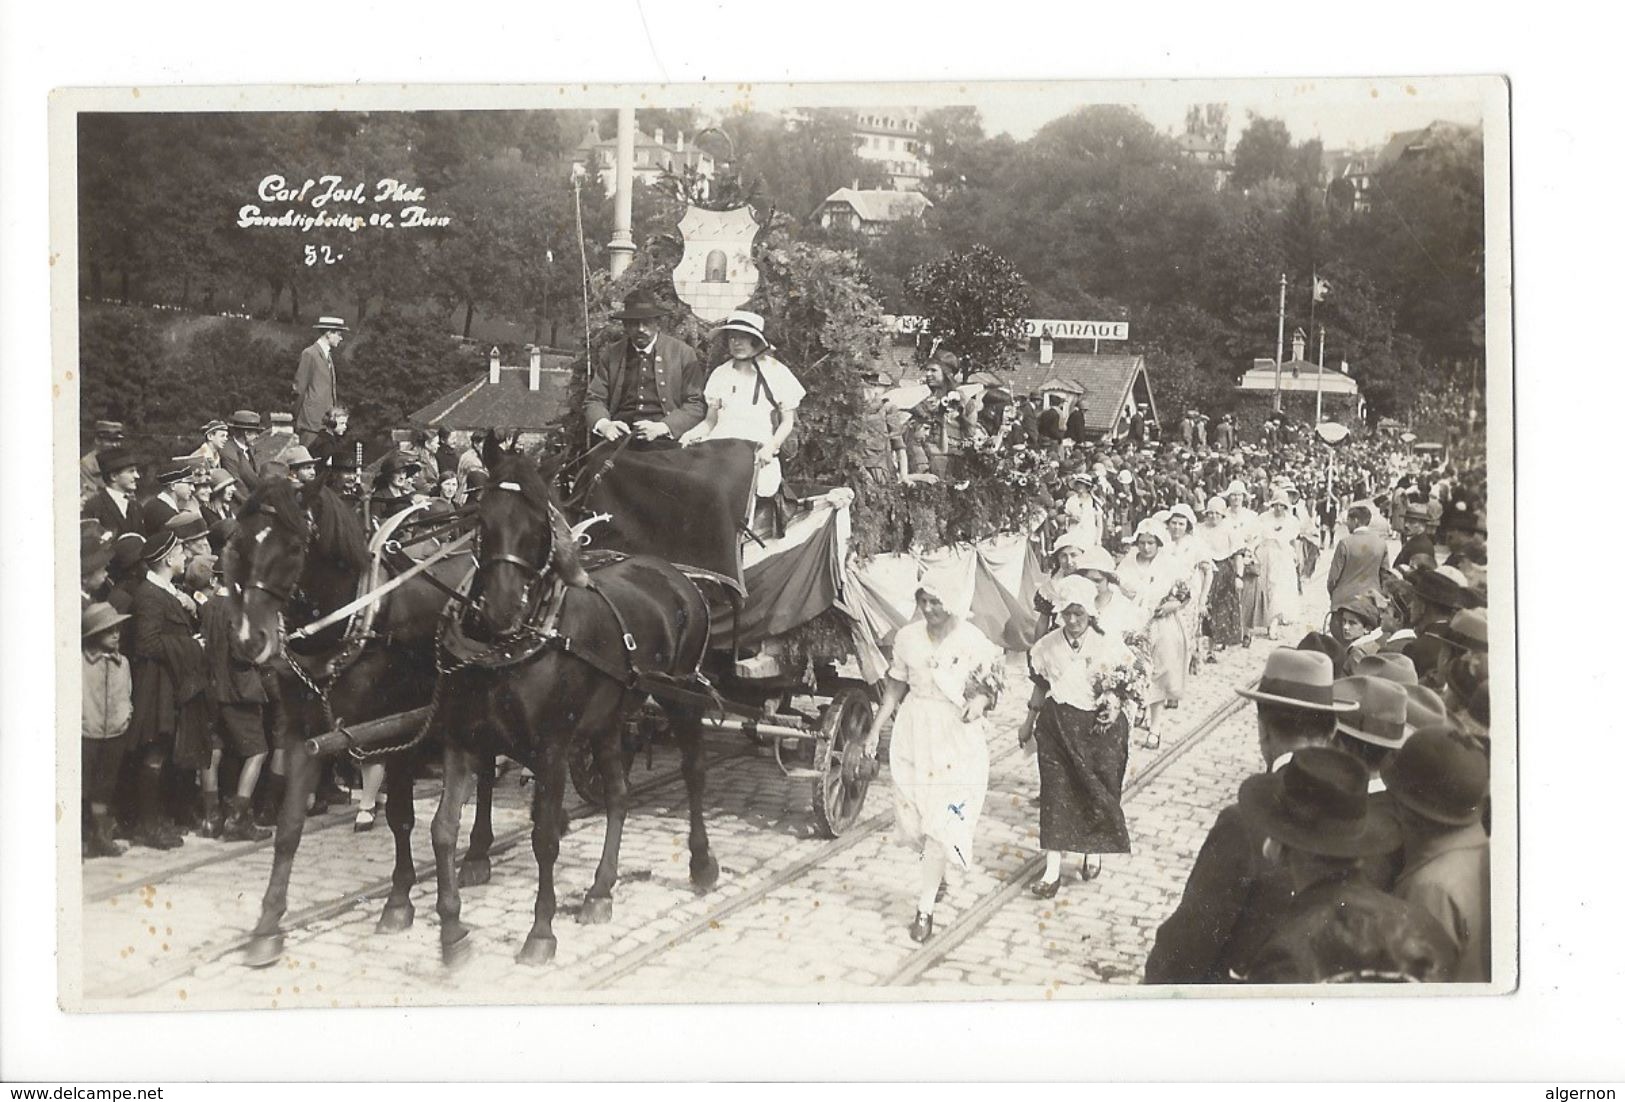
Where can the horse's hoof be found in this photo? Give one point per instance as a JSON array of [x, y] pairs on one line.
[[704, 874], [263, 951], [538, 951], [475, 871], [396, 919], [596, 911], [457, 953]]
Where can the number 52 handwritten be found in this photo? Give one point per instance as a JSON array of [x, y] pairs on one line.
[[322, 254]]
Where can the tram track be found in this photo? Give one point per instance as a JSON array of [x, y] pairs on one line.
[[503, 846], [924, 958]]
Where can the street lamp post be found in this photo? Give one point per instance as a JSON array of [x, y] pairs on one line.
[[1320, 373], [1280, 343], [621, 247]]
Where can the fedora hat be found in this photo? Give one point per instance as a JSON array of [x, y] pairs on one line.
[[1317, 803], [298, 456], [187, 526], [98, 617], [1468, 629], [1417, 510], [95, 547], [1424, 708], [243, 419], [331, 325], [1436, 587], [1381, 710], [220, 478], [746, 322], [640, 305], [1389, 666], [110, 429], [1441, 775], [1297, 679]]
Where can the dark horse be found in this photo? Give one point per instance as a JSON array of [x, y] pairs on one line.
[[532, 663], [300, 553]]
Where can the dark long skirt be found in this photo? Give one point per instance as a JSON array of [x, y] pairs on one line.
[[1080, 781], [1253, 618], [1224, 605]]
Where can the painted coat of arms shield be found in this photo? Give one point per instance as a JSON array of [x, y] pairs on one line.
[[716, 274]]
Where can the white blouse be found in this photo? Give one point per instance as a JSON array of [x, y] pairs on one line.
[[1071, 671]]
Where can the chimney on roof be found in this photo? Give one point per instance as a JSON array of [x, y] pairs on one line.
[[535, 368], [495, 376], [660, 135], [1046, 347]]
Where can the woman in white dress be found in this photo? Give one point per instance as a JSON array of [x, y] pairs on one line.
[[1116, 614], [751, 397], [944, 679], [1157, 582], [1275, 538], [1185, 543]]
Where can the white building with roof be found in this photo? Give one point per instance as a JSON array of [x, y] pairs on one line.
[[870, 212]]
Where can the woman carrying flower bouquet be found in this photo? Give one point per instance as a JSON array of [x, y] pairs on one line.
[[1157, 581], [1185, 544], [1081, 679], [1225, 552], [944, 678]]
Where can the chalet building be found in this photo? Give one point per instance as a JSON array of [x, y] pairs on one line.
[[531, 399], [1339, 393], [869, 212]]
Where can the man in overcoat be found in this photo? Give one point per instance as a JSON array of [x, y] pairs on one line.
[[647, 384], [168, 677], [315, 385], [1234, 896], [237, 453]]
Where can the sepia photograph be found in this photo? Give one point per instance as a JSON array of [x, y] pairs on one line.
[[899, 542]]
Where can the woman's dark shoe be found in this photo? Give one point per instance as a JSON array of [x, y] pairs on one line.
[[365, 819], [920, 929], [1046, 889], [1092, 868]]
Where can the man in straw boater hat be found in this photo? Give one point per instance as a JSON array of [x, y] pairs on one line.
[[315, 385], [109, 435], [1316, 817], [1233, 896], [1439, 782], [647, 384]]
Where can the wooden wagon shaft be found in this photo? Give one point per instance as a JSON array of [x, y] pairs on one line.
[[752, 727], [366, 734]]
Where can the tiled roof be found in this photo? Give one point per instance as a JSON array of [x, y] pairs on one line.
[[1104, 381], [508, 406], [881, 206]]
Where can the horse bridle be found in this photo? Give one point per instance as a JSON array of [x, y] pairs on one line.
[[533, 573]]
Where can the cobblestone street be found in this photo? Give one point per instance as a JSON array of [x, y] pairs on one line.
[[794, 915]]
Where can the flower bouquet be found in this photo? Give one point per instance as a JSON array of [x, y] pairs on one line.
[[1127, 683]]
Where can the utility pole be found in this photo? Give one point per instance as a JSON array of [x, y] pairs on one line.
[[621, 247], [1320, 373], [1280, 343]]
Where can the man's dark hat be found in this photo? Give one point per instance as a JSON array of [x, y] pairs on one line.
[[640, 305], [1468, 629], [1317, 803], [1381, 720], [187, 526], [158, 546], [126, 553], [1397, 668], [114, 460], [1440, 774], [343, 460], [95, 547], [244, 419], [177, 474], [1436, 588]]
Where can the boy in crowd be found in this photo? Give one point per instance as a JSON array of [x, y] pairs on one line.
[[103, 722]]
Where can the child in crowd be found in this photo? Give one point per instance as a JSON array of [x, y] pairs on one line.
[[103, 722]]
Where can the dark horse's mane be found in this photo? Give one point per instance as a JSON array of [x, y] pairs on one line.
[[335, 531]]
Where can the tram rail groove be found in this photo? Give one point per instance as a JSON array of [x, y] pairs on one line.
[[635, 959], [501, 845], [938, 949]]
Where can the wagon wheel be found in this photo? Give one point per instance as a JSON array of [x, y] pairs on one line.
[[837, 792], [589, 785]]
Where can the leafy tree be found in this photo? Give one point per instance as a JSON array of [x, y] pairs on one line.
[[400, 363], [1263, 152], [975, 302], [120, 366]]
